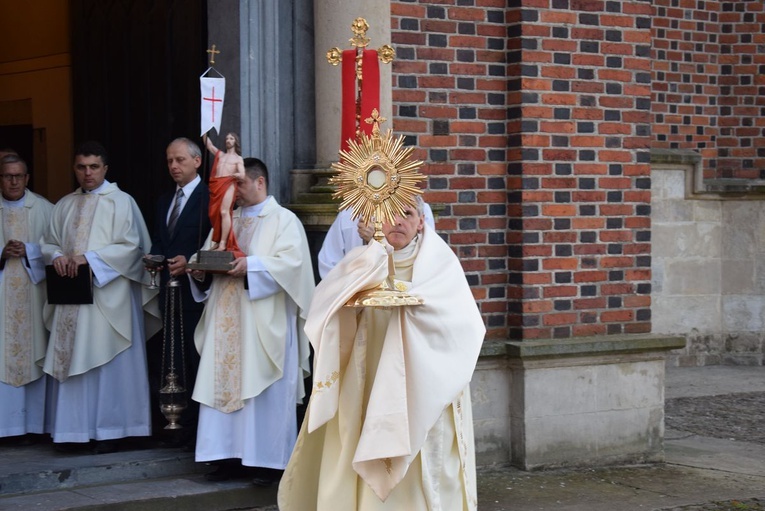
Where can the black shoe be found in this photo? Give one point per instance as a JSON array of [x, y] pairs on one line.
[[226, 471], [105, 446], [265, 477], [70, 447]]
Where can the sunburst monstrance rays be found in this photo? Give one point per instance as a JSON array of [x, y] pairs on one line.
[[376, 178]]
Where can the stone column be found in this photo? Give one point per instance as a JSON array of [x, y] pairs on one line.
[[332, 27]]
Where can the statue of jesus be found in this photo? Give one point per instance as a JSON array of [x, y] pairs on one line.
[[227, 171]]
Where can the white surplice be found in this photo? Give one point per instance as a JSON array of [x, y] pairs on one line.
[[389, 423], [23, 337], [253, 352], [97, 352], [343, 236]]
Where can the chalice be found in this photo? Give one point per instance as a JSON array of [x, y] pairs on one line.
[[153, 263]]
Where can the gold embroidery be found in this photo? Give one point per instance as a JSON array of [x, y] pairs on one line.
[[228, 334], [320, 385], [18, 305], [76, 242], [388, 465]]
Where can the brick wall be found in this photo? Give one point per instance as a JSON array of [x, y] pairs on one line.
[[536, 119], [709, 83], [449, 99]]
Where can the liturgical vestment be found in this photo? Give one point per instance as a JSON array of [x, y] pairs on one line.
[[23, 337], [96, 352], [253, 351], [389, 423]]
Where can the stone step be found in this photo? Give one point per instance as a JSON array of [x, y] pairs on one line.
[[190, 493], [141, 477], [41, 468]]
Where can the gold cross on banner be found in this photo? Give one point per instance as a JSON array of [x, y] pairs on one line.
[[212, 53], [385, 53]]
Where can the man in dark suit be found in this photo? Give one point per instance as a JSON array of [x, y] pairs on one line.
[[181, 225]]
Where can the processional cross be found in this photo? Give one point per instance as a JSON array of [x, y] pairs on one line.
[[212, 53]]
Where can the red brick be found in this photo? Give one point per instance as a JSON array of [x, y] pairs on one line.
[[466, 14], [586, 141], [541, 251], [560, 291], [460, 210], [467, 41], [409, 125], [588, 330], [437, 112], [590, 276], [557, 17], [616, 289], [559, 318], [467, 154], [617, 315], [590, 303], [637, 328], [436, 82], [440, 26], [409, 67], [467, 238], [416, 38], [559, 99], [536, 279], [464, 98], [408, 96], [473, 127], [467, 69], [560, 263], [437, 141], [491, 169], [444, 197], [426, 53], [496, 197]]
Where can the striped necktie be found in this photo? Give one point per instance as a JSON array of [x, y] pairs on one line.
[[176, 211]]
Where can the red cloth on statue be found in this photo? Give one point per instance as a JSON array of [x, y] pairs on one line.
[[218, 187]]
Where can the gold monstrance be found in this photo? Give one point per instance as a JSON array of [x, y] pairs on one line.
[[377, 179]]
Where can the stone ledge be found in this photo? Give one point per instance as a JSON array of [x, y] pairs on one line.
[[590, 346], [676, 156]]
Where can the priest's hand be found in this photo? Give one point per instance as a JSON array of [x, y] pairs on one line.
[[239, 267], [177, 266], [365, 231], [67, 266], [198, 275], [14, 248]]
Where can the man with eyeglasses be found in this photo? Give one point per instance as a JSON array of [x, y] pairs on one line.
[[23, 339]]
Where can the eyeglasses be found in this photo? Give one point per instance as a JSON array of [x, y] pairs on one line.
[[13, 177]]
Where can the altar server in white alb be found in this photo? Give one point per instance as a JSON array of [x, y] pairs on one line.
[[24, 217], [254, 353], [96, 353], [389, 425], [345, 234]]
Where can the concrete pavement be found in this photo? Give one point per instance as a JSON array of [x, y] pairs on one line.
[[714, 455]]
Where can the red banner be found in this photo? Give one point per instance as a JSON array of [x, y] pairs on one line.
[[370, 93]]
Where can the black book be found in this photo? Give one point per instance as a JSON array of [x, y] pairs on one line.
[[68, 290]]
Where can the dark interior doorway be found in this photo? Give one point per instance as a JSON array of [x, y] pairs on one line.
[[136, 67]]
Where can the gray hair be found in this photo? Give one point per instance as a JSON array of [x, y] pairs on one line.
[[419, 205], [13, 158], [193, 148]]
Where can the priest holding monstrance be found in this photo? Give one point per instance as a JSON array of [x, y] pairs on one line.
[[396, 334]]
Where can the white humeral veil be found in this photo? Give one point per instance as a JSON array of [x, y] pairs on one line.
[[389, 424]]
